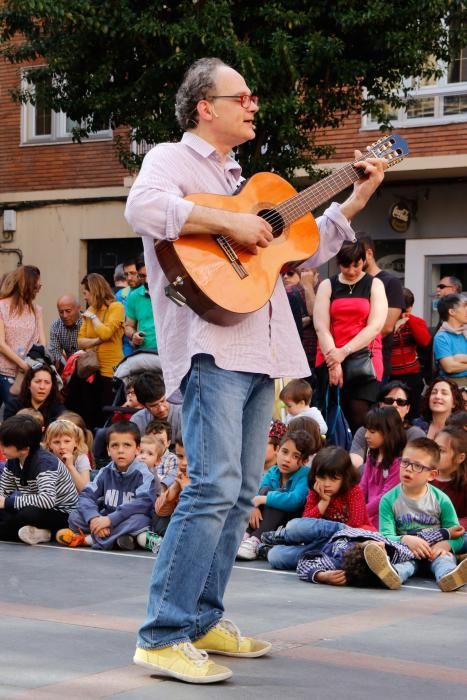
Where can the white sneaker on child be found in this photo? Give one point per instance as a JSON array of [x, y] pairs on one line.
[[34, 535], [248, 549]]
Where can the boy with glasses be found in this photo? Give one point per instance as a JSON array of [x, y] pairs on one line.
[[415, 506]]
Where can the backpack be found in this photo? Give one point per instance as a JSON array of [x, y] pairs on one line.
[[339, 432]]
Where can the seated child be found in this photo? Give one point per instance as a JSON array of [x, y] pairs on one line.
[[117, 505], [66, 441], [131, 402], [36, 490], [166, 503], [413, 507], [151, 450], [361, 558], [167, 467], [386, 438], [296, 396], [277, 430], [37, 415], [334, 500], [88, 436], [282, 492], [452, 471]]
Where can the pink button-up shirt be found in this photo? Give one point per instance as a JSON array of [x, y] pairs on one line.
[[267, 340]]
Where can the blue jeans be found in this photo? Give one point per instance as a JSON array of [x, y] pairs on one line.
[[301, 535], [5, 384], [439, 567], [225, 422]]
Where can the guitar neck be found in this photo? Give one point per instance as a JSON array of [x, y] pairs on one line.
[[312, 197]]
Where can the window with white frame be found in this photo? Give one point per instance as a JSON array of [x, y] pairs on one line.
[[436, 101], [40, 125]]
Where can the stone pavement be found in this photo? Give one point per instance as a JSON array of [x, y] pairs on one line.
[[68, 620]]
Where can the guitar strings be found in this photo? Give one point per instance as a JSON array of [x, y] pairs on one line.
[[294, 206]]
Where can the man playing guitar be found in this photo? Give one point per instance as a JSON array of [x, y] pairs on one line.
[[225, 372]]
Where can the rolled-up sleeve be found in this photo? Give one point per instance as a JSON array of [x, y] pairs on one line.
[[156, 206], [334, 230]]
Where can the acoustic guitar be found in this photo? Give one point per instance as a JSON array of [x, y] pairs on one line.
[[220, 280]]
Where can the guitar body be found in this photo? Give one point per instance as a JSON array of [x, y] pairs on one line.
[[204, 276], [223, 283]]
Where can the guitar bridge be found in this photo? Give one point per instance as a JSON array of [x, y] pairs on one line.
[[172, 292], [231, 256]]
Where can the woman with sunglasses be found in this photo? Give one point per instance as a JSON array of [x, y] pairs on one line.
[[442, 398], [395, 394]]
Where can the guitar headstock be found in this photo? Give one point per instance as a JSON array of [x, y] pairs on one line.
[[392, 148]]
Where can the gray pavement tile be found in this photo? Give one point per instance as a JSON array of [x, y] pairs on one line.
[[108, 587]]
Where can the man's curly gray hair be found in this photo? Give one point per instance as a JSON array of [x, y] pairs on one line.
[[197, 84]]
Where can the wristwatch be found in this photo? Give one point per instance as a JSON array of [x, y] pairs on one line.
[[92, 316]]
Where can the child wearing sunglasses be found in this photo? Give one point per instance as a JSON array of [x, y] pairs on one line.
[[416, 505]]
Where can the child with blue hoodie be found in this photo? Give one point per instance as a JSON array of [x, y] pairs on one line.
[[118, 504], [282, 491]]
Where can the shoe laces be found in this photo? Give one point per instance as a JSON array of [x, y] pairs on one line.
[[198, 656], [231, 628]]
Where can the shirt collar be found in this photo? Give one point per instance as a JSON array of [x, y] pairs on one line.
[[75, 325], [207, 150]]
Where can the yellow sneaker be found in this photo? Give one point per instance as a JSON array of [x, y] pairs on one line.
[[182, 661], [225, 639]]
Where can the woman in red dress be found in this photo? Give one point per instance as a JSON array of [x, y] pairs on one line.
[[350, 311]]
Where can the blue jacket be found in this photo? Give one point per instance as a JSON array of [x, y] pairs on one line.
[[119, 494], [290, 497]]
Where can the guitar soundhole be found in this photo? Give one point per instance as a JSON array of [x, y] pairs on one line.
[[273, 217]]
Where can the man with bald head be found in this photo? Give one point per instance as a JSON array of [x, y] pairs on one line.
[[64, 330]]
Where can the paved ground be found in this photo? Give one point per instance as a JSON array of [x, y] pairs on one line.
[[68, 621]]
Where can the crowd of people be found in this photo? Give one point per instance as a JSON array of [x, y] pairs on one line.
[[122, 432], [96, 428]]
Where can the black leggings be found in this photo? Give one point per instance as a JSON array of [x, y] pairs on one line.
[[272, 518], [10, 523]]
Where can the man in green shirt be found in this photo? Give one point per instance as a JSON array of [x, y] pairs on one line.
[[139, 320]]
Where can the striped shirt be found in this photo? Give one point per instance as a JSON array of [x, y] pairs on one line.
[[332, 554], [265, 341], [41, 481]]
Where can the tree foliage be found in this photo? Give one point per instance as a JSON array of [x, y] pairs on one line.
[[121, 61]]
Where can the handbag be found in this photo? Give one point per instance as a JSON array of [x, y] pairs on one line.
[[339, 432], [87, 363], [358, 367]]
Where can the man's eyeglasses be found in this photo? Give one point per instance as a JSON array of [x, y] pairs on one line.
[[415, 466], [245, 100], [389, 401], [444, 286], [141, 276]]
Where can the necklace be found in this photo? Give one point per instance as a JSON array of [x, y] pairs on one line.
[[351, 287]]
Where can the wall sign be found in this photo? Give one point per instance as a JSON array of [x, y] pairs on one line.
[[400, 217]]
